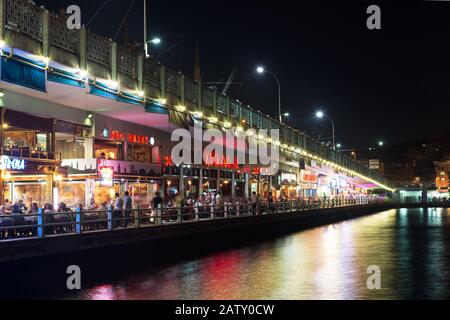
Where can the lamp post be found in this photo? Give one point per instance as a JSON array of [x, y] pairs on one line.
[[320, 115], [262, 70]]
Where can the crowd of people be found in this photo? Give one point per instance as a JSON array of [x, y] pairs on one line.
[[159, 210]]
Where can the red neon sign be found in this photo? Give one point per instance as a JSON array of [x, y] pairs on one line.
[[131, 138]]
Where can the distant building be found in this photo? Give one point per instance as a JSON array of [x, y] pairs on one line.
[[377, 165], [442, 175]]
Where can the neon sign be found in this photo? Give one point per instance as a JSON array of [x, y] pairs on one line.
[[6, 163], [117, 135], [309, 177], [131, 138], [106, 176], [134, 138], [288, 177]]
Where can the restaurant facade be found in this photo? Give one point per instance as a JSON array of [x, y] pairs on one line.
[[86, 162]]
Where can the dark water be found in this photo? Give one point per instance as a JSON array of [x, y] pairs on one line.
[[412, 248]]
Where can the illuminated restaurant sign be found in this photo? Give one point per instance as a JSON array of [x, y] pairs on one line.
[[134, 138], [131, 138], [6, 163], [288, 177], [309, 177], [106, 176]]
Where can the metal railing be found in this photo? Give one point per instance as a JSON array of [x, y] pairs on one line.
[[27, 153], [47, 224]]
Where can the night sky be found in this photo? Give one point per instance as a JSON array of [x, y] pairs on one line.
[[391, 84]]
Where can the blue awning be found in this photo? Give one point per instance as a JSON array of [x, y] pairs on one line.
[[23, 73], [64, 78], [153, 107]]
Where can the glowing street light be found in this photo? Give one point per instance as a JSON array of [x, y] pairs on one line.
[[380, 143], [155, 41], [261, 70], [320, 115]]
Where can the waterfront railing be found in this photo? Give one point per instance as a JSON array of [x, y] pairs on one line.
[[53, 224]]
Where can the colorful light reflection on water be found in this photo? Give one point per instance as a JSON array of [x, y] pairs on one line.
[[410, 246]]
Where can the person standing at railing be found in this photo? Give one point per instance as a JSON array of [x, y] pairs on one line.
[[270, 200], [128, 206], [197, 205], [179, 201], [118, 206], [254, 201], [157, 206]]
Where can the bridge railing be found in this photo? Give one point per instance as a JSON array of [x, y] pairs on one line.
[[51, 224]]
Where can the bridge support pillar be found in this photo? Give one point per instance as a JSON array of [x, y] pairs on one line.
[[2, 19], [141, 72], [163, 82], [83, 49], [114, 61], [46, 34]]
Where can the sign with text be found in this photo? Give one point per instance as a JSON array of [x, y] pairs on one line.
[[6, 163], [309, 177], [131, 138], [106, 176]]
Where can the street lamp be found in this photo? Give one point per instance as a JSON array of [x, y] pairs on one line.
[[262, 70], [339, 146], [381, 143], [155, 41], [320, 115]]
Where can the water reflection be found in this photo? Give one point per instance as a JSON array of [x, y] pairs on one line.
[[329, 262]]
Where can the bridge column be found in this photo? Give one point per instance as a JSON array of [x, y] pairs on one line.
[[46, 34], [163, 82], [2, 19], [83, 48], [114, 61], [140, 67]]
